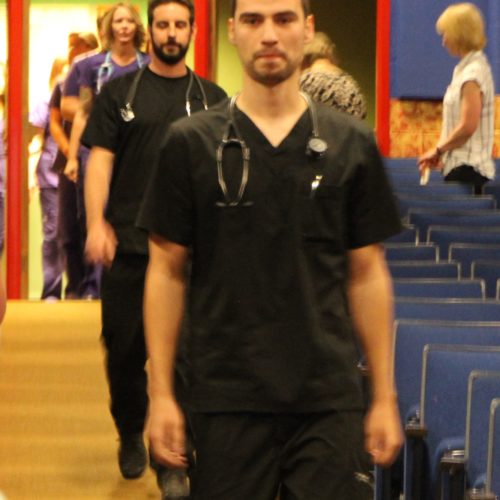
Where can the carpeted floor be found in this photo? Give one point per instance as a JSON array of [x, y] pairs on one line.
[[57, 440]]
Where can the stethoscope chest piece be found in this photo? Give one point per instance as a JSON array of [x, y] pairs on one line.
[[316, 147], [127, 113]]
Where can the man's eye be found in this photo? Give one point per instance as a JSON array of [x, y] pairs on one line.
[[250, 20], [284, 19]]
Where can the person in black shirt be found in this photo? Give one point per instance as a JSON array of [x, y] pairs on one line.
[[280, 205], [124, 132]]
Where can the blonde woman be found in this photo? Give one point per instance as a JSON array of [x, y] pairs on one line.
[[464, 150]]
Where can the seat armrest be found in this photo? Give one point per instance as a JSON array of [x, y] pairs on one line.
[[414, 429]]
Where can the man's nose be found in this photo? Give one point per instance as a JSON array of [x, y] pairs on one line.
[[269, 33], [171, 31]]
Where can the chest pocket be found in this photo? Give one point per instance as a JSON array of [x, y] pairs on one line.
[[322, 214]]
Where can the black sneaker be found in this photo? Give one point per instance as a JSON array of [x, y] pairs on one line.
[[132, 456], [173, 483]]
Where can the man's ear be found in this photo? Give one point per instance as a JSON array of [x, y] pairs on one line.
[[230, 30], [309, 32], [194, 31]]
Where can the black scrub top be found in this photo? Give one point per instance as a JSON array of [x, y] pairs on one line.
[[269, 322], [135, 144]]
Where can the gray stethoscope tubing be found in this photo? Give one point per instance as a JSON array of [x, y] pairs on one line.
[[106, 69], [227, 140], [316, 148], [128, 113]]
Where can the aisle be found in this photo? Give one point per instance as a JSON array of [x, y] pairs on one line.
[[57, 440]]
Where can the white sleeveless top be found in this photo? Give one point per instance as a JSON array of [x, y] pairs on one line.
[[477, 151]]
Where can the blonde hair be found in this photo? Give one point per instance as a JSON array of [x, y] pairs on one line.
[[59, 66], [107, 31], [320, 47], [463, 25]]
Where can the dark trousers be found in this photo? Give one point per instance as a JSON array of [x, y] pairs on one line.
[[316, 456], [123, 337], [52, 262], [467, 175], [83, 278]]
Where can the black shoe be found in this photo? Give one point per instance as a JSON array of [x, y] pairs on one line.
[[173, 483], [132, 456]]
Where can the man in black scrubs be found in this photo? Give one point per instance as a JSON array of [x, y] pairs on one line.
[[286, 264], [125, 130]]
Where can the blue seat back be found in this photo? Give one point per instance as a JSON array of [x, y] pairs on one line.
[[447, 309], [409, 234], [492, 189], [489, 271], [444, 236], [466, 253], [401, 163], [443, 400], [458, 203], [424, 269], [423, 218], [493, 468], [484, 386], [439, 288], [410, 337], [410, 251], [412, 188]]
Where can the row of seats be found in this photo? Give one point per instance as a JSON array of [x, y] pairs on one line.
[[446, 274]]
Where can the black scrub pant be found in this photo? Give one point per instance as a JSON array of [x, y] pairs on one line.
[[254, 456], [123, 336]]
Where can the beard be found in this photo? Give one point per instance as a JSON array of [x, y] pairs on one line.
[[172, 58], [268, 75]]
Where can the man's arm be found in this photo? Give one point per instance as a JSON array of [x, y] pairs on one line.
[[79, 122], [163, 311], [101, 241], [371, 306]]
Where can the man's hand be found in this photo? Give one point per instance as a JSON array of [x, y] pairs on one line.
[[383, 433], [100, 247], [167, 433], [71, 170]]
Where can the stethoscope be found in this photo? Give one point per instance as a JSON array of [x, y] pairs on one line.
[[128, 113], [316, 149], [106, 69]]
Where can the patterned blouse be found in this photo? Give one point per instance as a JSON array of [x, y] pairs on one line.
[[339, 90]]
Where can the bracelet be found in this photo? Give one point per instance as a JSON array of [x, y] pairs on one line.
[[439, 152]]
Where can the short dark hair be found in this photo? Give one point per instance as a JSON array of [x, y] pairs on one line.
[[156, 3], [306, 5]]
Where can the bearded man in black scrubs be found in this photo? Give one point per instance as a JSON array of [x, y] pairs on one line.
[[125, 131], [282, 225]]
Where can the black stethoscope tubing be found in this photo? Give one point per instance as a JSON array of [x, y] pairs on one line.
[[316, 148], [127, 112]]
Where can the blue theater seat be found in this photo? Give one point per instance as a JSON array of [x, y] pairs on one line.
[[410, 251], [484, 386], [424, 218], [443, 404], [447, 309], [466, 253], [405, 203], [444, 236], [444, 288], [423, 269], [489, 271]]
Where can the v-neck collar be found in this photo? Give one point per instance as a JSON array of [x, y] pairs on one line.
[[245, 123]]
